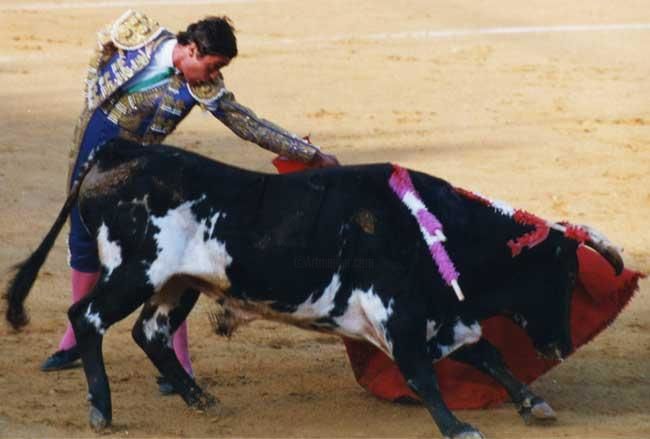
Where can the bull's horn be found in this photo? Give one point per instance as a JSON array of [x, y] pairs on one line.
[[599, 242], [609, 252]]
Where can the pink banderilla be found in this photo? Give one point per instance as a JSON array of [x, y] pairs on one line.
[[400, 182]]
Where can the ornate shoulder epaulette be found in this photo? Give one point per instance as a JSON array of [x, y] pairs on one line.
[[104, 49], [207, 93], [135, 37], [134, 30]]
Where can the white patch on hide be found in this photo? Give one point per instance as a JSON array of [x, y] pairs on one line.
[[467, 334], [503, 207], [463, 335], [321, 307], [366, 317], [500, 206], [95, 320], [183, 249], [110, 253], [432, 331], [151, 327]]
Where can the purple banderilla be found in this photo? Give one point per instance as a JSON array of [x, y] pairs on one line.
[[400, 182]]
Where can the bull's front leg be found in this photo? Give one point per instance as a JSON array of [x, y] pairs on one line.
[[486, 358], [415, 364]]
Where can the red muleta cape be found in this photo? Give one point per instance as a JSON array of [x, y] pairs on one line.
[[598, 298]]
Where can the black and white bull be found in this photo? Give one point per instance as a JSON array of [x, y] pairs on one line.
[[332, 250]]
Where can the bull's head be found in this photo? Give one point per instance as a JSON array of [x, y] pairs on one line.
[[544, 310], [549, 329]]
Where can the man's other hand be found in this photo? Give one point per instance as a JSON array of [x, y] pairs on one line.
[[322, 160]]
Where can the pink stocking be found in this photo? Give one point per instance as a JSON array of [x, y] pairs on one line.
[[82, 283], [179, 341]]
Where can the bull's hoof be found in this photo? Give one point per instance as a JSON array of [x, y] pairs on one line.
[[537, 411], [465, 431], [97, 420], [206, 403], [543, 411], [469, 435]]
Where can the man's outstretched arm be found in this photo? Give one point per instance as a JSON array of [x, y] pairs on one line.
[[245, 123]]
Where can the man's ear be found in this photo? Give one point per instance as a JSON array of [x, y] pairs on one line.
[[192, 50]]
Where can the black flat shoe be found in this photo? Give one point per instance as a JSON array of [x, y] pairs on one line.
[[65, 359]]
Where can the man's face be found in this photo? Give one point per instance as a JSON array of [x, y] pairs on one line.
[[197, 68]]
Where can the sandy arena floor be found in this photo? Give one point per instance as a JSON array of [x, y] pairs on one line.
[[555, 121]]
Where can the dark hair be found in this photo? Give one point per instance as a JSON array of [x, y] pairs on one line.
[[212, 36]]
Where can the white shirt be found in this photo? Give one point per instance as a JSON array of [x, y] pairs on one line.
[[161, 61]]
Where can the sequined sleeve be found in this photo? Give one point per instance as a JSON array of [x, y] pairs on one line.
[[243, 122]]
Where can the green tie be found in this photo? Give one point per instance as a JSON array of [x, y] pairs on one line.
[[147, 83]]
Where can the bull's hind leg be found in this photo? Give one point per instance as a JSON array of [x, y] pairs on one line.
[[153, 330], [113, 298], [486, 358], [415, 364]]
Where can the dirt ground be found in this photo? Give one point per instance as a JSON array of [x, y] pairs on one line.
[[555, 121]]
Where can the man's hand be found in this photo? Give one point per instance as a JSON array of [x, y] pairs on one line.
[[322, 160]]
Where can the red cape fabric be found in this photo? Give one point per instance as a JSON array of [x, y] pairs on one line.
[[599, 296]]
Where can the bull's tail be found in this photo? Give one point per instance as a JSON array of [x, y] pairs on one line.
[[27, 270]]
